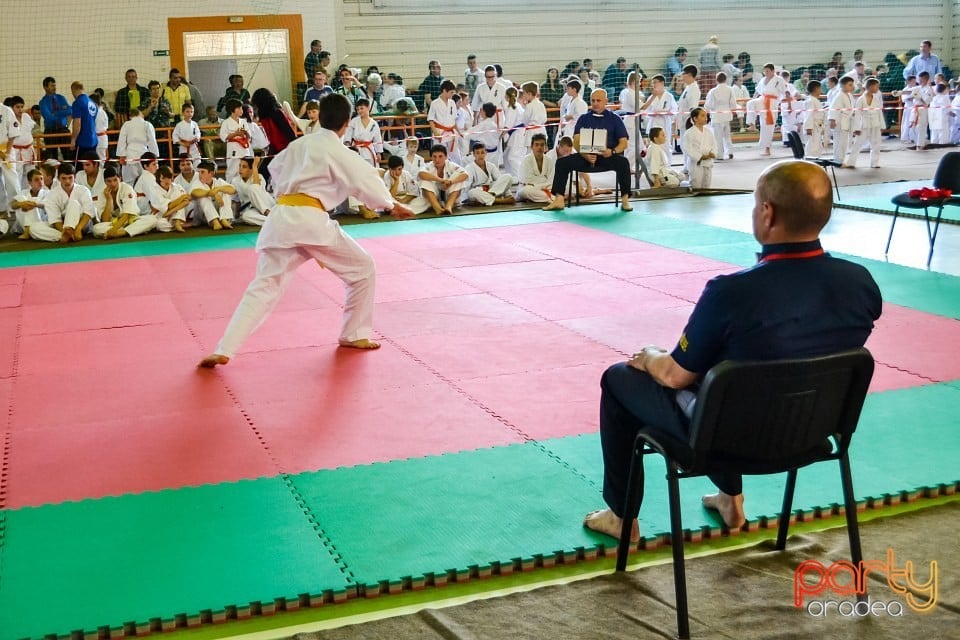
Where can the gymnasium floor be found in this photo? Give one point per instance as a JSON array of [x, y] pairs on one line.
[[140, 494]]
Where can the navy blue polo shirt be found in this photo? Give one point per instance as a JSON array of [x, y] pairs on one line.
[[607, 120], [796, 302], [84, 111]]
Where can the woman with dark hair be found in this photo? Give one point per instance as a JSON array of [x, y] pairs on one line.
[[551, 90], [279, 130], [572, 69]]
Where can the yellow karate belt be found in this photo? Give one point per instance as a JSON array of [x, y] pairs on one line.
[[300, 200]]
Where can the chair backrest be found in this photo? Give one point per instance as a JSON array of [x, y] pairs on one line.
[[778, 410], [948, 172], [795, 144]]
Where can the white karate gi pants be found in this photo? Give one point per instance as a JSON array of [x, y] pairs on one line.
[[872, 136], [498, 189]]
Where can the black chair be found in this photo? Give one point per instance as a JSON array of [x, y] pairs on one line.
[[573, 187], [759, 418], [946, 177], [796, 147]]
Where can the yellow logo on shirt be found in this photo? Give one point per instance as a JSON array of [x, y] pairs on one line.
[[684, 343]]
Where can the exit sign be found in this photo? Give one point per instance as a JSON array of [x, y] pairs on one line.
[[161, 52]]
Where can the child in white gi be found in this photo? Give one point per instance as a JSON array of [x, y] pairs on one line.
[[187, 134], [770, 90], [922, 99], [212, 196], [572, 110], [413, 162], [255, 202], [486, 185], [21, 152], [442, 181], [907, 134], [443, 118], [102, 123], [363, 133], [119, 215], [28, 205], [403, 186], [233, 131], [840, 118], [689, 99], [311, 124], [514, 136], [630, 97], [69, 210], [484, 131], [939, 118], [699, 149], [813, 120], [867, 124], [146, 182], [137, 136], [722, 105], [169, 202], [658, 161], [536, 173], [310, 172], [660, 108]]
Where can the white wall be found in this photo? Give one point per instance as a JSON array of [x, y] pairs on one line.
[[95, 42], [404, 35]]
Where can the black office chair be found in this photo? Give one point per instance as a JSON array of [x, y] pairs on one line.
[[759, 418], [946, 177], [796, 147]]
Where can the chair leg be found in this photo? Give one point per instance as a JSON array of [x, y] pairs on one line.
[[836, 185], [630, 506], [896, 212], [785, 511], [676, 541], [932, 236], [853, 528]]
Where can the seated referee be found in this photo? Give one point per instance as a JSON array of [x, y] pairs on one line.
[[612, 159]]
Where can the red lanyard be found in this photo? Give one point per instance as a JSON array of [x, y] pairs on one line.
[[813, 253]]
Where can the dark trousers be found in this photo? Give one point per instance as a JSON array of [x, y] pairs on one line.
[[576, 162], [54, 154], [631, 400]]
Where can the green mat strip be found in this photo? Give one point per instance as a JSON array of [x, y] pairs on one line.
[[203, 555]]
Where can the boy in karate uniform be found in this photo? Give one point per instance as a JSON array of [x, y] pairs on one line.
[[441, 181], [721, 104], [211, 195], [28, 204], [770, 90], [487, 184], [233, 131], [69, 210], [169, 202], [363, 133], [536, 172], [119, 214], [403, 186], [868, 124], [187, 134], [255, 202], [840, 118], [486, 131], [137, 136], [813, 120]]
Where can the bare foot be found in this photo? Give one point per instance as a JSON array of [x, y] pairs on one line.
[[362, 343], [607, 522], [24, 236], [215, 224], [766, 152], [226, 224], [178, 226], [368, 214], [729, 507], [77, 234], [625, 205], [447, 212], [213, 360], [66, 236], [505, 200], [557, 205]]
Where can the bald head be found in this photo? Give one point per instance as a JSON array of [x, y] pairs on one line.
[[598, 100], [800, 195]]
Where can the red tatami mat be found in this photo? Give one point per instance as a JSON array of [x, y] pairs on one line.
[[134, 454], [916, 342], [349, 428]]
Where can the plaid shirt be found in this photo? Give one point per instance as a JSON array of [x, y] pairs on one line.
[[121, 105], [310, 64], [242, 96], [431, 84]]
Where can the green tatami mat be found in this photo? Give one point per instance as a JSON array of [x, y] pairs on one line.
[[80, 565], [451, 512]]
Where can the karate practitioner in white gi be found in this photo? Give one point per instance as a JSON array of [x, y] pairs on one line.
[[536, 173], [69, 210], [255, 202], [313, 173], [486, 184], [840, 118], [867, 124], [721, 104]]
